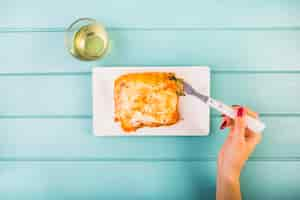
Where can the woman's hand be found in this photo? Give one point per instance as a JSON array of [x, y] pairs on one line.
[[237, 148]]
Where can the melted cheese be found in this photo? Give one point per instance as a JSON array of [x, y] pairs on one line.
[[146, 99]]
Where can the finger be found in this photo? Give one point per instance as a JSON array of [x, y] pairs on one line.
[[239, 125], [231, 124], [229, 121], [251, 112], [223, 124], [252, 140], [226, 122], [235, 107], [248, 111]]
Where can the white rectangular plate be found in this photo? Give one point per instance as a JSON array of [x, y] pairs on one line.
[[194, 113]]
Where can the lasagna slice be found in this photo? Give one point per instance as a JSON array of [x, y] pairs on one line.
[[147, 99]]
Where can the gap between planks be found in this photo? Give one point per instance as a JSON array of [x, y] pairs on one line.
[[291, 70], [203, 159], [62, 29], [212, 116]]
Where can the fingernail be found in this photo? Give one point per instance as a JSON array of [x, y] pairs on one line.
[[240, 112], [223, 125]]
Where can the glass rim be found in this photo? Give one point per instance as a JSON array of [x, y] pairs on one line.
[[68, 37], [83, 19]]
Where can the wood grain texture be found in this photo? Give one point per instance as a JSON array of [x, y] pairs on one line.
[[71, 94], [72, 139], [146, 14], [47, 150], [141, 180], [42, 52]]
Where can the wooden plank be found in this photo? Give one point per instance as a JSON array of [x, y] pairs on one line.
[[141, 180], [154, 14], [72, 139], [42, 52], [70, 94]]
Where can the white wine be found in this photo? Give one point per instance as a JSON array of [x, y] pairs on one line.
[[88, 42], [86, 39]]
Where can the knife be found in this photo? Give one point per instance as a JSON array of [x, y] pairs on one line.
[[252, 123]]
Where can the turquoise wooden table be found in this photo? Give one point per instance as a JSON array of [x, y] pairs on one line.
[[47, 150]]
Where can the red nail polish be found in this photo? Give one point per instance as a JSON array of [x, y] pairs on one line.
[[223, 125], [240, 112]]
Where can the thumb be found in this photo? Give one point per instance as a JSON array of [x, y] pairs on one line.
[[253, 139], [240, 124]]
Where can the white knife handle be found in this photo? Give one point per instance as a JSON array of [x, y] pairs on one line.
[[252, 123]]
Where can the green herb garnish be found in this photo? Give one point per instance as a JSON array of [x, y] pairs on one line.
[[179, 83]]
